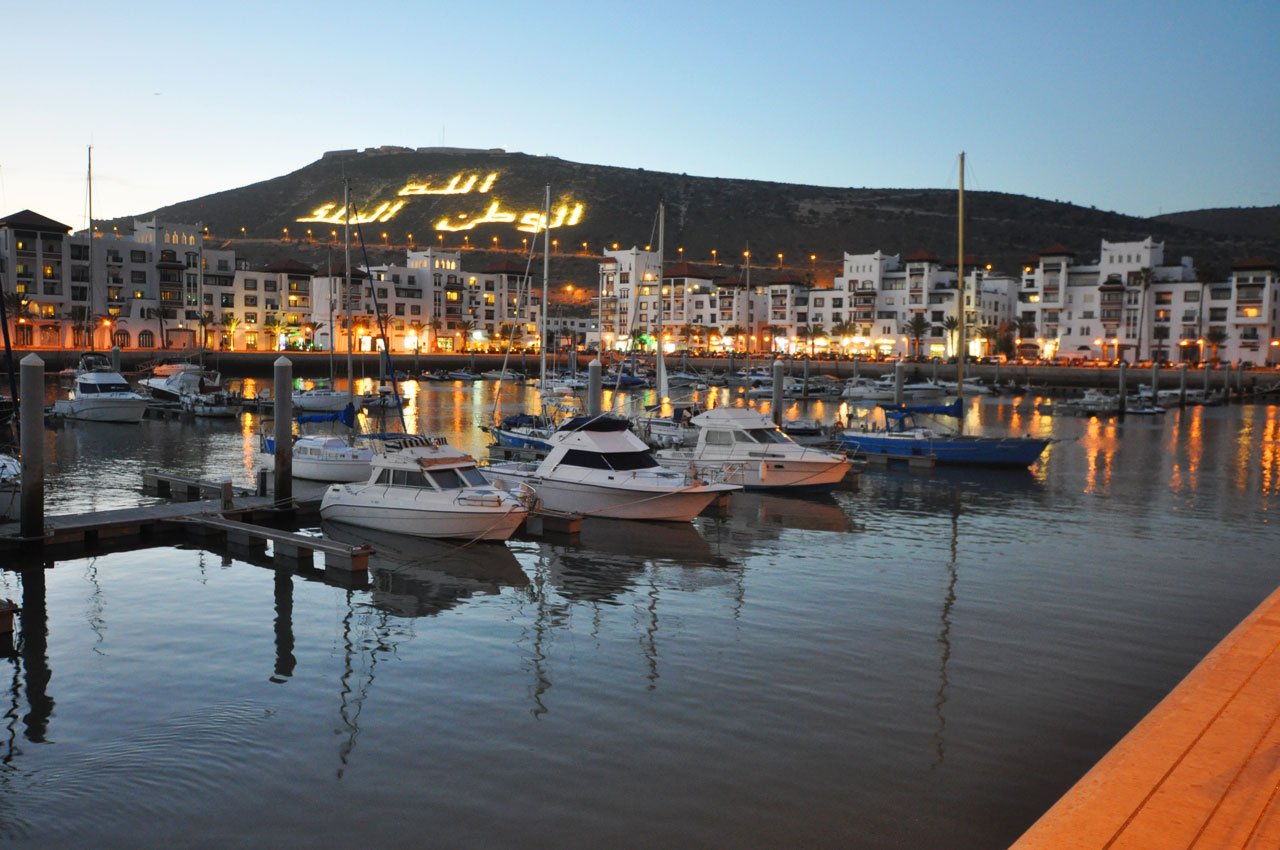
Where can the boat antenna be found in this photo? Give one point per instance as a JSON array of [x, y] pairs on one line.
[[660, 366], [86, 326], [522, 298]]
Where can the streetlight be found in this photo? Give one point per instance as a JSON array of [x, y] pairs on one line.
[[440, 236], [779, 259], [286, 233], [713, 256], [242, 233], [385, 244], [495, 243]]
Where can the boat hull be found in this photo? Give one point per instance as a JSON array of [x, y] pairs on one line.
[[102, 409], [764, 474], [340, 505], [976, 451], [595, 500]]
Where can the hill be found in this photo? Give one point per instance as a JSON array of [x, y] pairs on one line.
[[481, 198], [1262, 223]]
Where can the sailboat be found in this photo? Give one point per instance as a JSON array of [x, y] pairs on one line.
[[902, 437], [98, 393]]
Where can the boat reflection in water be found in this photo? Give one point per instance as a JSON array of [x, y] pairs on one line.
[[760, 513], [612, 556], [418, 577]]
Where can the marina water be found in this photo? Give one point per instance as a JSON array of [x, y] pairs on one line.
[[927, 661]]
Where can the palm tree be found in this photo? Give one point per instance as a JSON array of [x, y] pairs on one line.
[[840, 330], [916, 327], [816, 332], [466, 328], [951, 325], [774, 332], [435, 325], [1159, 333], [1205, 276], [1216, 337], [229, 324], [1145, 276], [687, 333], [735, 331], [158, 314], [273, 326]]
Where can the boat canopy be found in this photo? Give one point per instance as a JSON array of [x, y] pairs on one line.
[[595, 423], [899, 411], [347, 416]]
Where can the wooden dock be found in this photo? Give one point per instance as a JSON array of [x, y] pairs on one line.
[[1202, 770]]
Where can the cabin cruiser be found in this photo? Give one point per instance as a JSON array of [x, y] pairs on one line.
[[597, 467], [99, 394], [741, 446], [189, 379], [322, 398], [902, 437], [321, 457], [426, 490], [884, 389]]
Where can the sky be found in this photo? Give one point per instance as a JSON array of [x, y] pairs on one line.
[[1136, 107]]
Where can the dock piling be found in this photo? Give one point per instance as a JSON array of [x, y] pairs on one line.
[[115, 359], [594, 387], [1182, 385], [284, 431], [804, 393], [32, 445], [777, 392], [1124, 387], [899, 378]]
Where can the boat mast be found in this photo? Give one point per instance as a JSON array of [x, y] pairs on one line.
[[546, 273], [204, 330], [660, 364], [87, 326], [960, 327], [346, 281]]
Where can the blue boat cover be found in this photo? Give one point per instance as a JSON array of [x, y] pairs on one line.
[[347, 416]]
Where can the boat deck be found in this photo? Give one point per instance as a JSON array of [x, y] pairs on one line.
[[1202, 770]]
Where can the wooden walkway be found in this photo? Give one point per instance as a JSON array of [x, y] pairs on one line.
[[1201, 771], [88, 529]]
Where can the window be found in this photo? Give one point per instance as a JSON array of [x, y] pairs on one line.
[[250, 284], [146, 339], [1191, 296], [228, 300], [137, 256], [137, 276]]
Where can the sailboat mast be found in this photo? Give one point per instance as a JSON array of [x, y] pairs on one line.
[[660, 364], [87, 327], [204, 329], [546, 274], [961, 343], [346, 289]]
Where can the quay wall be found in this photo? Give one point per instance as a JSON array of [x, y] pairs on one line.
[[312, 364]]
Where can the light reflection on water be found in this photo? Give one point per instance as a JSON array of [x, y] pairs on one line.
[[927, 661]]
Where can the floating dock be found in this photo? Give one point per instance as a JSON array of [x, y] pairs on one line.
[[1202, 770]]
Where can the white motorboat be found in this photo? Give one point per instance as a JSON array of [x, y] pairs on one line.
[[322, 398], [597, 467], [502, 375], [666, 431], [180, 382], [210, 405], [743, 447], [10, 487], [99, 394], [428, 490], [883, 389], [972, 386], [317, 457]]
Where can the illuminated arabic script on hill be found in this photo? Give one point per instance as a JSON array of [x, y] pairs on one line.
[[566, 214]]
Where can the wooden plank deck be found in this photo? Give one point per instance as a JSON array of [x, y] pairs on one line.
[[1202, 770]]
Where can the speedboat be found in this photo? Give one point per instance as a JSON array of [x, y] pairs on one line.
[[530, 430], [666, 431], [902, 438], [884, 389], [597, 467], [430, 490], [10, 487], [99, 394], [741, 446], [321, 457], [183, 380], [502, 375], [321, 398], [215, 404]]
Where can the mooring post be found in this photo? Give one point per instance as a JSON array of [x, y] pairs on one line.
[[1124, 386], [778, 380], [115, 358], [284, 432], [935, 371], [1182, 385], [32, 445], [595, 387], [1155, 381], [899, 379], [1206, 378], [1240, 381], [805, 392]]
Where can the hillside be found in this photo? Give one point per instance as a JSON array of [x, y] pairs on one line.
[[618, 205], [1262, 223]]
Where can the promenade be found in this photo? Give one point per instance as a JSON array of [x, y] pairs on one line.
[[1202, 770]]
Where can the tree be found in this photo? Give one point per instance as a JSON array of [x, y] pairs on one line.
[[1159, 333], [435, 325], [273, 326], [988, 334], [1205, 276], [816, 332], [1145, 276], [157, 313], [466, 328], [952, 326], [916, 327], [773, 332], [735, 331], [840, 330], [229, 324], [1216, 337]]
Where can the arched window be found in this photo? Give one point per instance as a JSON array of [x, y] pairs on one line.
[[120, 338], [146, 339]]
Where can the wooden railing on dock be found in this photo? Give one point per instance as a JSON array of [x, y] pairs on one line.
[[295, 549]]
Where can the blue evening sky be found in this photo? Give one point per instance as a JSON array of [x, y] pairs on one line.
[[1138, 107]]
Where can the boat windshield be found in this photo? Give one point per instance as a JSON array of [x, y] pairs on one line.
[[761, 435], [403, 478], [616, 461], [87, 388], [457, 478]]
